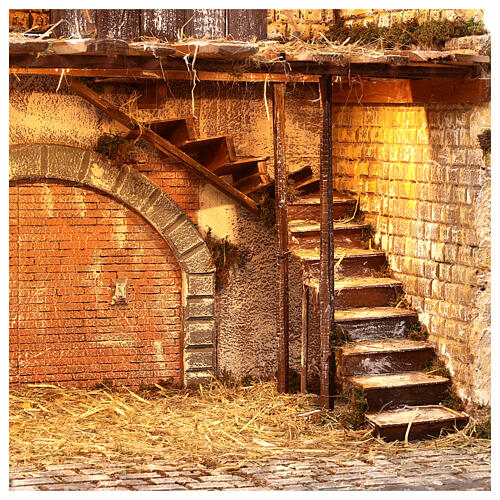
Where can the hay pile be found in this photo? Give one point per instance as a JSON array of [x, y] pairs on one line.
[[220, 424]]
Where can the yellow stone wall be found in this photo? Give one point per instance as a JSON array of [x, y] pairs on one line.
[[309, 24], [425, 187], [21, 20]]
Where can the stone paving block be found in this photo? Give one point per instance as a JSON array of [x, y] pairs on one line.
[[138, 475], [213, 485], [161, 487], [78, 478], [32, 481]]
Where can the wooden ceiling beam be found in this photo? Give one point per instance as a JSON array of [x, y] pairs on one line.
[[365, 91]]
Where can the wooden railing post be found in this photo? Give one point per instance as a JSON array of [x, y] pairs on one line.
[[326, 282], [280, 182]]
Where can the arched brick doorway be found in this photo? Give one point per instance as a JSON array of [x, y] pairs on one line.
[[66, 171]]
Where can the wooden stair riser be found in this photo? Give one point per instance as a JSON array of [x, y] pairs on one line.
[[350, 266], [178, 131], [308, 186], [312, 212], [376, 329], [366, 296], [396, 397], [419, 430], [252, 183], [376, 363], [211, 152], [345, 238]]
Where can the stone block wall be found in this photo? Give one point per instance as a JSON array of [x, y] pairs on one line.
[[425, 187], [309, 24]]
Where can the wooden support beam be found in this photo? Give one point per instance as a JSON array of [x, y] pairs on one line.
[[160, 143], [280, 184], [365, 91], [139, 74], [304, 339], [326, 282]]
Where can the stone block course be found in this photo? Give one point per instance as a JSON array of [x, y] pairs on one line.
[[424, 205]]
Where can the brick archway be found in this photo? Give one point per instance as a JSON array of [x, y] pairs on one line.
[[133, 189]]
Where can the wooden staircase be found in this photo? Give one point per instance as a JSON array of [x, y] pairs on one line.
[[217, 154], [403, 400]]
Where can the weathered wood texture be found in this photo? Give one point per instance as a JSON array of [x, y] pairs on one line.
[[160, 143], [123, 24], [247, 24], [412, 91], [205, 22], [162, 23], [326, 283], [165, 24], [304, 339], [75, 23], [280, 185]]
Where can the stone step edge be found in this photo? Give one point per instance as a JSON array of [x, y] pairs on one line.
[[452, 415], [344, 284], [436, 381], [406, 313], [385, 350]]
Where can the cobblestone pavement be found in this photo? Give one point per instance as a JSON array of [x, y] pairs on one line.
[[449, 469]]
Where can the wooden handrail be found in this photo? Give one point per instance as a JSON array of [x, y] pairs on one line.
[[160, 143]]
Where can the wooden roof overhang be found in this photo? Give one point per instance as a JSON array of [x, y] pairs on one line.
[[228, 61]]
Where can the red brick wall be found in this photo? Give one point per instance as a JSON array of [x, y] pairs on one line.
[[68, 245]]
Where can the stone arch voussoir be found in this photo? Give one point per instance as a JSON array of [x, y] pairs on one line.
[[128, 186]]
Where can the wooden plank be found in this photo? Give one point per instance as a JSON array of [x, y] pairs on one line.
[[412, 91], [27, 46], [280, 186], [162, 144], [304, 338], [164, 24], [216, 50], [326, 282], [122, 24], [247, 24], [76, 23], [209, 23], [127, 75]]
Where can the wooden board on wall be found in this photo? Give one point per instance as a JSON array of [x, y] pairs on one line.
[[247, 24], [412, 91], [76, 23], [164, 24], [205, 22], [123, 24]]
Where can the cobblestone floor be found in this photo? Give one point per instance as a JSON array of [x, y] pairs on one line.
[[448, 469]]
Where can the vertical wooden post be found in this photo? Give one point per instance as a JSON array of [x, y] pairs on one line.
[[304, 338], [280, 182], [326, 282]]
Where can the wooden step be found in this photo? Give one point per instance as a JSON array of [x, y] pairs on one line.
[[301, 175], [309, 186], [399, 389], [355, 261], [383, 356], [249, 185], [211, 152], [243, 167], [376, 323], [305, 234], [178, 131], [420, 422], [362, 292], [309, 208]]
